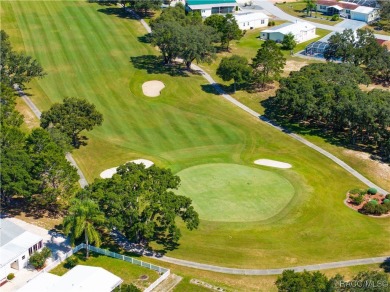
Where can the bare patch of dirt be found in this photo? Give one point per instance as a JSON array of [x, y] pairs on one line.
[[293, 65], [30, 120], [378, 168], [373, 86]]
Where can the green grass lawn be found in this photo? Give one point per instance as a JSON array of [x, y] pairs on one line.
[[235, 193], [89, 51], [296, 9], [128, 272]]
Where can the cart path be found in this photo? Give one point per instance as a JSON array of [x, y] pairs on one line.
[[229, 98], [123, 242], [82, 181]]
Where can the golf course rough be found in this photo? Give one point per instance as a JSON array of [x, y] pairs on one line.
[[235, 193]]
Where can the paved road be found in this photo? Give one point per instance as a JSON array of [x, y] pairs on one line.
[[267, 121], [82, 181], [347, 23]]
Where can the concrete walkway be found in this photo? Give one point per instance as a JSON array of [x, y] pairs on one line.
[[123, 242], [82, 181]]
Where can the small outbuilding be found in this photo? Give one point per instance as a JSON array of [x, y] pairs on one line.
[[251, 20], [16, 247], [80, 278], [302, 31]]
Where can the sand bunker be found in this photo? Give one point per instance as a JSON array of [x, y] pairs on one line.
[[272, 163], [108, 173], [152, 88]]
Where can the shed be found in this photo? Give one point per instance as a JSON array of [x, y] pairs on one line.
[[209, 7]]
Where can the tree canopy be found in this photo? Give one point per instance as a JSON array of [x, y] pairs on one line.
[[234, 67], [268, 63], [16, 68], [226, 26], [71, 117], [84, 218], [327, 96], [140, 202]]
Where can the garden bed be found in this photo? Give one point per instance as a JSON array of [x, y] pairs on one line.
[[369, 202]]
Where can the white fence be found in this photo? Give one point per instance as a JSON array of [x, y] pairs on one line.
[[163, 271]]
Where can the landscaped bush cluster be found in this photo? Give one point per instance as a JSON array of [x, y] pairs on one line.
[[372, 191], [271, 23], [10, 276], [374, 208], [356, 199], [38, 259], [335, 17], [71, 262], [127, 288]]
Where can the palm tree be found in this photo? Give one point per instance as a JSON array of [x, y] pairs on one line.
[[84, 217], [310, 5]]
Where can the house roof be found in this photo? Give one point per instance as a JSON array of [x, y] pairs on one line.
[[80, 278], [364, 10], [249, 16], [14, 241], [210, 2], [330, 3], [291, 27], [8, 231], [20, 244]]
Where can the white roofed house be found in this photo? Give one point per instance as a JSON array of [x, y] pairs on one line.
[[80, 278], [16, 247], [302, 31], [209, 7], [251, 20], [366, 14]]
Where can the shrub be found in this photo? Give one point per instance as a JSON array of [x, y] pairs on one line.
[[374, 202], [385, 201], [335, 17], [355, 191], [46, 252], [38, 259], [388, 196], [356, 199], [10, 276], [71, 262], [127, 288], [372, 191], [374, 208]]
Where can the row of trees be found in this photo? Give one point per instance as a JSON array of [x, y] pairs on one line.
[[266, 67], [327, 96], [368, 281], [361, 49], [34, 165], [185, 36], [137, 201]]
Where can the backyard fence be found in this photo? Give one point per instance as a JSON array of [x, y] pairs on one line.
[[162, 271]]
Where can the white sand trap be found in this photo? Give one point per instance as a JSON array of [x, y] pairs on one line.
[[273, 163], [152, 88], [108, 173]]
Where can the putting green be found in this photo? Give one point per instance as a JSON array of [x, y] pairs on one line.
[[235, 193]]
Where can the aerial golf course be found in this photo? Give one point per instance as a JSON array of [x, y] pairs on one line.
[[251, 216]]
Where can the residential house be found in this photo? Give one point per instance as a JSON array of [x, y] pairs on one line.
[[302, 31], [16, 247], [348, 10], [80, 278], [251, 20], [366, 14], [209, 7]]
